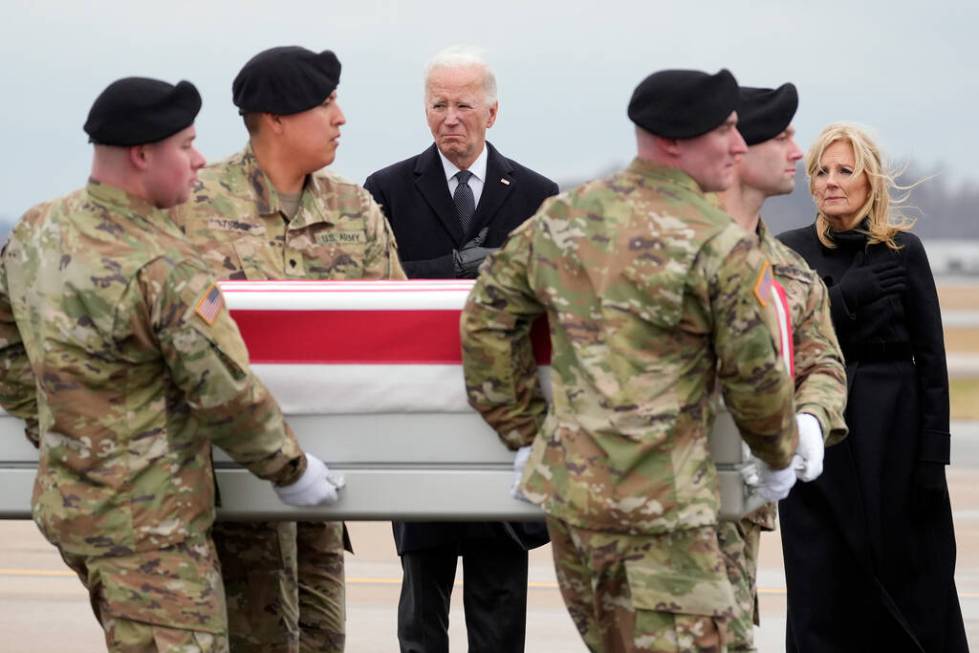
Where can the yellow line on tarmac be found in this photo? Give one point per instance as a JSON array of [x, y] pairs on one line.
[[36, 572], [355, 580], [367, 580]]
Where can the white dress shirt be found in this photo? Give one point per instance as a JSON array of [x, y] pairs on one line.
[[476, 182]]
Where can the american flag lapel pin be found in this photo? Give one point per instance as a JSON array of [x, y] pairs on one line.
[[505, 182]]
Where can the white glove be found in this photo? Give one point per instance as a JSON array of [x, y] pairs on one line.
[[749, 471], [774, 484], [317, 486], [810, 449], [519, 462]]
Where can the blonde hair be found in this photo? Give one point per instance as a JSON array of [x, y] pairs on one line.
[[884, 221]]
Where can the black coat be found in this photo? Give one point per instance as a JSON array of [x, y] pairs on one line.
[[414, 196], [870, 555]]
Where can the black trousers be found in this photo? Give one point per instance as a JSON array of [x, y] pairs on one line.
[[494, 595]]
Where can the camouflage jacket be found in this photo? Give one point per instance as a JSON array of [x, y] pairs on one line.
[[114, 334], [234, 218], [820, 376], [649, 291]]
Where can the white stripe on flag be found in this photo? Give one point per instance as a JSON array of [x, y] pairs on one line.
[[345, 389], [299, 295], [352, 300], [362, 285]]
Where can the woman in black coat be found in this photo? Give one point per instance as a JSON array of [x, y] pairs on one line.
[[869, 547]]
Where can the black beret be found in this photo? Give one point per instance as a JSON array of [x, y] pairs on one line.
[[285, 80], [139, 110], [683, 103], [764, 113]]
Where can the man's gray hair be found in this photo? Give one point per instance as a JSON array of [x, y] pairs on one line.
[[464, 56]]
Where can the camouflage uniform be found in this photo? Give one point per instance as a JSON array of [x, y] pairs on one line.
[[115, 336], [339, 232], [649, 291], [820, 382]]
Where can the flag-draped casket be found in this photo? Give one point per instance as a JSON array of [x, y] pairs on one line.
[[369, 375]]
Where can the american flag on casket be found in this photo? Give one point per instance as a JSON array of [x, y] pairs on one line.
[[342, 347], [369, 374]]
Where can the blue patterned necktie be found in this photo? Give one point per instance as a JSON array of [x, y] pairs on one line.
[[464, 200]]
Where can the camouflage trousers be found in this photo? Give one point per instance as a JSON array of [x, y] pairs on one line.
[[643, 593], [166, 601], [739, 543], [284, 583]]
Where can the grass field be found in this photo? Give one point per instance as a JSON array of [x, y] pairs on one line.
[[959, 297], [962, 340], [965, 398], [964, 391]]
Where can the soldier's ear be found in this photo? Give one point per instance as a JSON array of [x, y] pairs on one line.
[[138, 157], [669, 145], [273, 122]]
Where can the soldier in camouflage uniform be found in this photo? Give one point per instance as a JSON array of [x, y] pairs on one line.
[[266, 213], [649, 291], [767, 170], [115, 339]]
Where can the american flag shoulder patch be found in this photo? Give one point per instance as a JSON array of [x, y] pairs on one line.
[[210, 304], [763, 284]]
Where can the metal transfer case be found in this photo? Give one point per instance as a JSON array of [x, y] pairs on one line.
[[386, 409]]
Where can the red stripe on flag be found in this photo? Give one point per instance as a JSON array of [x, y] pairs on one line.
[[787, 336], [540, 335], [362, 337]]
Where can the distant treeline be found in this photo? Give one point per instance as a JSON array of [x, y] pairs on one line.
[[941, 211]]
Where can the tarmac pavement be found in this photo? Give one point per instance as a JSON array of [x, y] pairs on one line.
[[43, 606]]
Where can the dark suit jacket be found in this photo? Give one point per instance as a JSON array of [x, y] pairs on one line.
[[415, 198]]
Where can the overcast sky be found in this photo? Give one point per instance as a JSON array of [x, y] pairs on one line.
[[565, 69]]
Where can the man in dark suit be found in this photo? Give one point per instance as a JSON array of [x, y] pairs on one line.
[[450, 207]]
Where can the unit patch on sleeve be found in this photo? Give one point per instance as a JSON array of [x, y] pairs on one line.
[[763, 284]]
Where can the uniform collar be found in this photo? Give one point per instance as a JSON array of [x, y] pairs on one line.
[[655, 172], [267, 198], [135, 209], [761, 229]]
